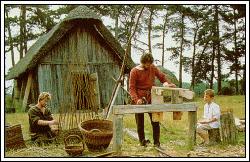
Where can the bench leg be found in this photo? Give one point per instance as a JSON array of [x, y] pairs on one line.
[[192, 118], [118, 132]]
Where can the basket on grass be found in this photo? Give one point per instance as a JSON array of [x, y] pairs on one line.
[[14, 137], [97, 133], [73, 131], [74, 145]]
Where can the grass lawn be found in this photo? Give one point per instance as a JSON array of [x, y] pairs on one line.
[[173, 135]]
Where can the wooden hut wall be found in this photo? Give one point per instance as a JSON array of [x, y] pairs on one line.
[[92, 54]]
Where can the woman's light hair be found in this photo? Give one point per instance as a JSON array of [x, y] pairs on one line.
[[44, 95], [209, 92]]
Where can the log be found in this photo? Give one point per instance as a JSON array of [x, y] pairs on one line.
[[228, 128], [214, 135]]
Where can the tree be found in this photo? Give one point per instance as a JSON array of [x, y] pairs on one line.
[[235, 35], [196, 19], [9, 39], [180, 27]]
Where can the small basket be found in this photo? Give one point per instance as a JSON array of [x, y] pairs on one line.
[[73, 149], [97, 133]]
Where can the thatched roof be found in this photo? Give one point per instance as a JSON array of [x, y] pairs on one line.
[[48, 40]]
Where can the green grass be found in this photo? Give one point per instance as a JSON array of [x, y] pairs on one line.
[[174, 137]]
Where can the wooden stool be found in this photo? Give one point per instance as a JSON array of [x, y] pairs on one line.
[[214, 135]]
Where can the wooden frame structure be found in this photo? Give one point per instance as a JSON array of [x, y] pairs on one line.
[[120, 110]]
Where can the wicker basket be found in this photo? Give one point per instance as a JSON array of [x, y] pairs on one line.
[[74, 149], [14, 137], [97, 133], [73, 131]]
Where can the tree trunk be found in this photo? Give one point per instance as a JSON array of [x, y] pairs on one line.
[[193, 61], [218, 49], [212, 66], [182, 40], [163, 40], [236, 53], [11, 41], [22, 30], [244, 80], [228, 128], [149, 30], [116, 23]]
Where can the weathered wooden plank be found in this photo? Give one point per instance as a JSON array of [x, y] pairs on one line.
[[27, 92], [157, 116], [182, 92], [168, 88], [192, 120], [23, 85], [117, 132], [131, 109], [89, 53], [176, 99]]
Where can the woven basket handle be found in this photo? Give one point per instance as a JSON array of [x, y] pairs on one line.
[[95, 130], [71, 137]]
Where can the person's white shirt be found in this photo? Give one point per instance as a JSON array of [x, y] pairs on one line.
[[212, 110]]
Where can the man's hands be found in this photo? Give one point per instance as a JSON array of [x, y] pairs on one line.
[[53, 122], [166, 84], [139, 102]]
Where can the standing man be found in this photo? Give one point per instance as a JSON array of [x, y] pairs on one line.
[[141, 80], [41, 121]]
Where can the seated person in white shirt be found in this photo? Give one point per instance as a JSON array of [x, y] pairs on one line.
[[211, 116]]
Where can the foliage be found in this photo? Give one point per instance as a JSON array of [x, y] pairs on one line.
[[8, 101], [170, 75], [228, 91]]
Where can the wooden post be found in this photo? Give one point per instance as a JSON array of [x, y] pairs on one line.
[[192, 119], [27, 91], [157, 98], [21, 91], [175, 98], [228, 128], [16, 94], [117, 132]]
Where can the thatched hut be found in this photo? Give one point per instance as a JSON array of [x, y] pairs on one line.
[[59, 61]]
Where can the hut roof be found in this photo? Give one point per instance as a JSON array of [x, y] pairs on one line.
[[48, 40]]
